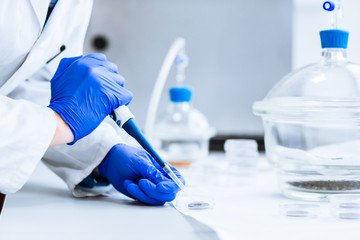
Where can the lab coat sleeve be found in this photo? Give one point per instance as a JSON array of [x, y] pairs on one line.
[[73, 163], [26, 130]]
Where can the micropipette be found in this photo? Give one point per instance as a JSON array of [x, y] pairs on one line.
[[125, 119]]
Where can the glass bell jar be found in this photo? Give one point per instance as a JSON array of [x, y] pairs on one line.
[[311, 122]]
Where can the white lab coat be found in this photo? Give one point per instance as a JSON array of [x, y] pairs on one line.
[[26, 129]]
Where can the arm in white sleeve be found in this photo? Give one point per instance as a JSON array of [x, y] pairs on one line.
[[71, 163], [26, 130], [75, 162]]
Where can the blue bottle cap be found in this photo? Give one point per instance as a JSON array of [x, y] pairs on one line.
[[329, 6], [334, 38], [180, 94]]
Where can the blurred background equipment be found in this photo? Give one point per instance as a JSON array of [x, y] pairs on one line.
[[238, 49]]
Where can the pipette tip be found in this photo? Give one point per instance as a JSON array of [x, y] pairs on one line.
[[173, 176]]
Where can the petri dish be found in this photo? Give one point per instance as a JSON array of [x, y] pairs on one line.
[[345, 206], [348, 215], [299, 210], [190, 201], [198, 205]]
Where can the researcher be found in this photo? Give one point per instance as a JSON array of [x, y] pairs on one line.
[[66, 123]]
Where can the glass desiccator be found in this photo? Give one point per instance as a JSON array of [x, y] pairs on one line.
[[311, 124]]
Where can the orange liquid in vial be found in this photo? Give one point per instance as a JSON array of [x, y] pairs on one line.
[[184, 163]]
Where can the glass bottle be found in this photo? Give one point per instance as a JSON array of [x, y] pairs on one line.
[[182, 133]]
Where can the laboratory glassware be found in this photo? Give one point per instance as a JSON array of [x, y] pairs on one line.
[[194, 199], [241, 152], [311, 124], [182, 133], [345, 206], [177, 55], [241, 159], [299, 210]]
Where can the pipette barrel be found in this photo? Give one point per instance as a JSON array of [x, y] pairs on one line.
[[133, 130], [125, 119]]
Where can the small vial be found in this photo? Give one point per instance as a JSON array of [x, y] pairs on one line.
[[242, 158], [242, 152]]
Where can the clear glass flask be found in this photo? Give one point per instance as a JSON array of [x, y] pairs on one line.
[[182, 133], [311, 120]]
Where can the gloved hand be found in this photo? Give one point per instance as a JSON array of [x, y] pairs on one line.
[[84, 90], [136, 174]]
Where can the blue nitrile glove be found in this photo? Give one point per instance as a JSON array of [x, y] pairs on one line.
[[133, 172], [84, 90]]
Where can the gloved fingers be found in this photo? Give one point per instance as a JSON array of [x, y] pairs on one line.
[[109, 79], [178, 174], [138, 194], [124, 96], [151, 190], [99, 59], [170, 186], [120, 96], [153, 174], [98, 56], [162, 170], [156, 164], [115, 79], [157, 175], [64, 64], [112, 67], [167, 186]]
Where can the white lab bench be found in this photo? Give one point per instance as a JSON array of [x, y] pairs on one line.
[[44, 209]]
